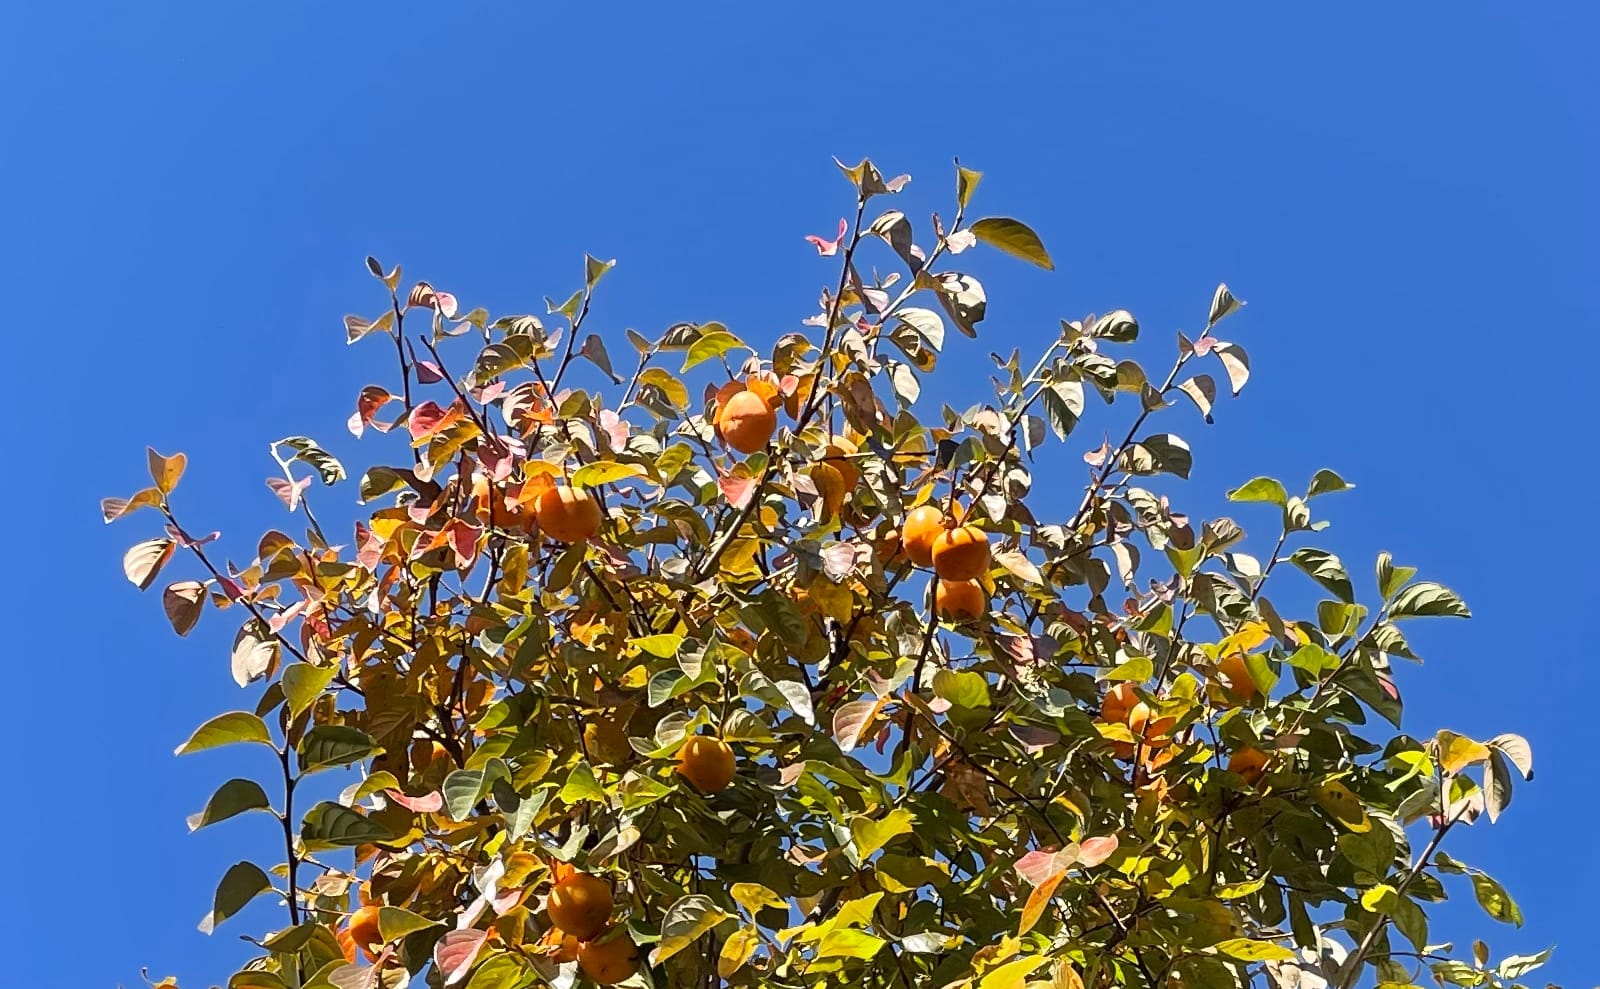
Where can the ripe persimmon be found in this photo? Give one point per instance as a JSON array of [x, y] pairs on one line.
[[610, 961], [923, 525], [707, 763], [837, 454], [580, 905], [1250, 763], [347, 943], [746, 422], [567, 514], [1119, 700], [961, 553], [1240, 686], [959, 600], [364, 932]]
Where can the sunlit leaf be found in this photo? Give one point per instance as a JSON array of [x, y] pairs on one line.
[[1014, 237], [684, 923], [233, 797], [143, 563], [226, 729]]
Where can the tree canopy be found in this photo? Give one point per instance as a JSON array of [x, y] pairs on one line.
[[689, 660]]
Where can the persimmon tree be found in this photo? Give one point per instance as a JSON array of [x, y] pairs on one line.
[[726, 663]]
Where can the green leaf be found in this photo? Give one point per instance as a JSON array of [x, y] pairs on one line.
[[1138, 669], [1247, 950], [504, 971], [1411, 921], [871, 835], [303, 683], [604, 472], [1327, 482], [711, 346], [1014, 237], [232, 798], [1167, 453], [1515, 966], [240, 884], [330, 825], [395, 923], [1325, 568], [966, 184], [289, 940], [1496, 785], [379, 481], [326, 746], [962, 689], [1391, 577], [1426, 599], [1313, 659], [594, 269], [1494, 899], [226, 729], [1261, 489], [307, 451], [581, 785], [1223, 303], [1459, 973], [684, 924], [462, 790], [664, 645], [1063, 404]]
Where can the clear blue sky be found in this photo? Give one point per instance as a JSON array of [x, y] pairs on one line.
[[1404, 193]]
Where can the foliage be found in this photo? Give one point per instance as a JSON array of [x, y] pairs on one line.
[[1130, 769]]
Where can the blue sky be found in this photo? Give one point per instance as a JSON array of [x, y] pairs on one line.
[[1403, 193]]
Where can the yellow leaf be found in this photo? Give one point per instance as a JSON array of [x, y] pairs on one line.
[[604, 472], [165, 471], [1457, 752], [1012, 974], [1014, 237], [1249, 636], [857, 911], [741, 944], [1038, 900], [754, 896], [835, 600], [1343, 806], [871, 835]]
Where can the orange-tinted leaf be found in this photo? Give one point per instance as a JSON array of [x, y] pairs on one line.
[[165, 471], [1038, 900], [115, 508], [371, 399]]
